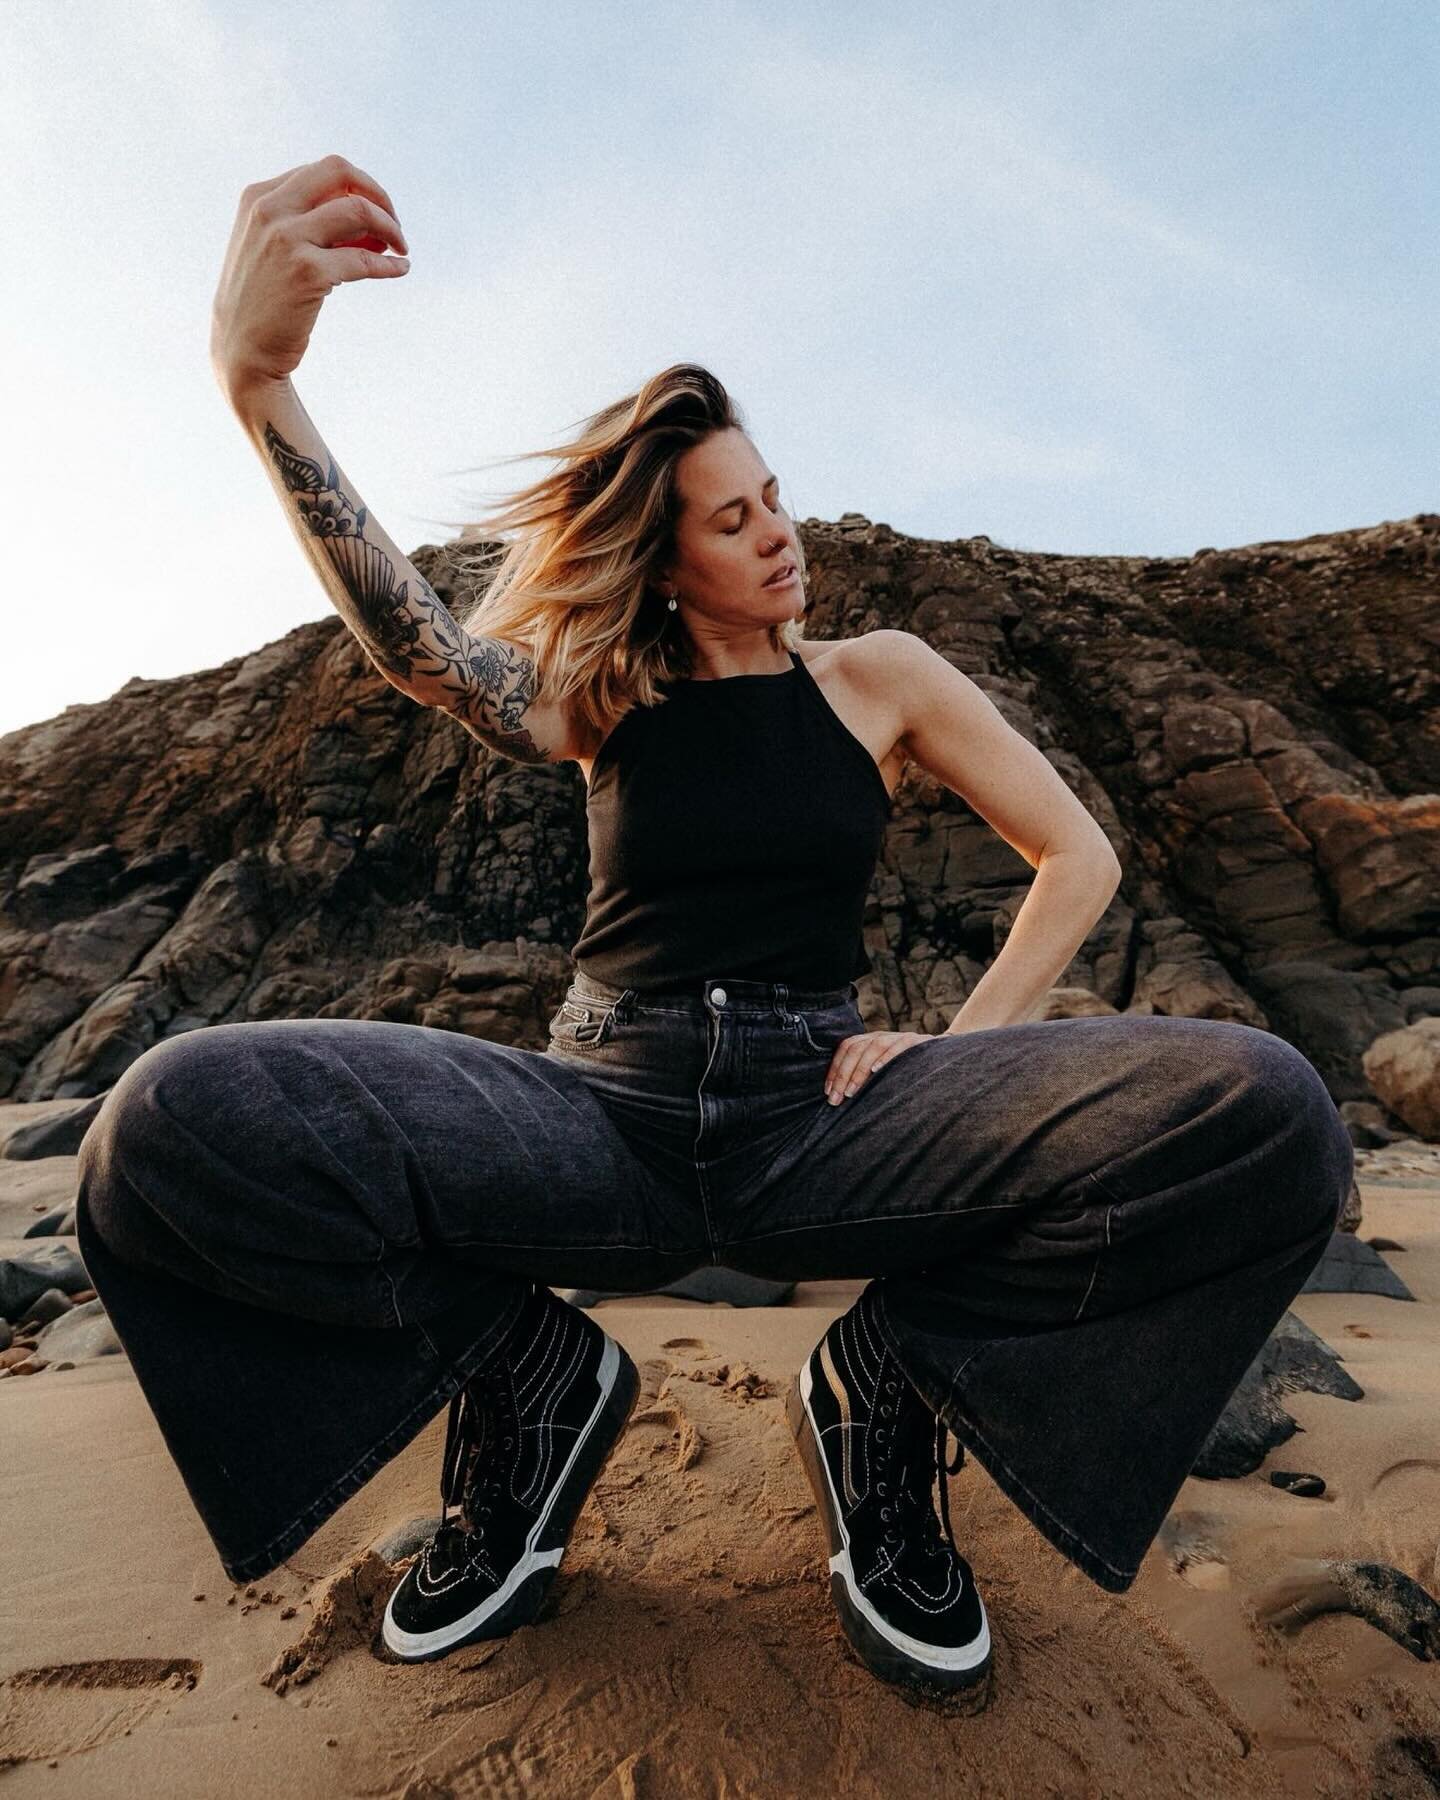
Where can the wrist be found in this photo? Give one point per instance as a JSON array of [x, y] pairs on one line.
[[245, 391]]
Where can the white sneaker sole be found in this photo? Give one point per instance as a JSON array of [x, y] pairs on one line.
[[891, 1653], [518, 1599]]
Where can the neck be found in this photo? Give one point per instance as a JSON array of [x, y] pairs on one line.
[[713, 668]]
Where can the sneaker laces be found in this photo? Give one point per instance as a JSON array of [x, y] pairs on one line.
[[910, 1496], [482, 1423]]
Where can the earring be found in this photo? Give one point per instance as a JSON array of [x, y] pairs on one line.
[[674, 603]]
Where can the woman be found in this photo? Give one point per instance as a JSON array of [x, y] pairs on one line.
[[1077, 1233]]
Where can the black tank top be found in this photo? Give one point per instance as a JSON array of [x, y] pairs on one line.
[[734, 830]]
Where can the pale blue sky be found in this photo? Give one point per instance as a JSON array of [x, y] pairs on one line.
[[1087, 276]]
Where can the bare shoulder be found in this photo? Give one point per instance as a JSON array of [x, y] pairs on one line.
[[876, 667], [844, 659], [884, 654], [903, 673]]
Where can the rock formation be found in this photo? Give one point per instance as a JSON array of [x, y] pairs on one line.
[[1258, 731]]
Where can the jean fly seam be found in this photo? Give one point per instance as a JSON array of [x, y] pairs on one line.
[[701, 1185]]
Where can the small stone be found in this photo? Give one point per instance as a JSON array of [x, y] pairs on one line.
[[84, 1331], [1309, 1487], [45, 1263], [197, 1596], [45, 1307], [331, 1743], [58, 1221], [288, 1613]]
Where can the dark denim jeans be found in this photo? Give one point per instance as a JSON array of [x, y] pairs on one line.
[[310, 1232]]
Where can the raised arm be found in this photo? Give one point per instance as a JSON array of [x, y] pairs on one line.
[[401, 622], [294, 238]]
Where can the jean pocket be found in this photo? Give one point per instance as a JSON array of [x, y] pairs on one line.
[[822, 1032], [582, 1024]]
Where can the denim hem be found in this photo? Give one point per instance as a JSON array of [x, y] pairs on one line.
[[1086, 1558], [261, 1562]]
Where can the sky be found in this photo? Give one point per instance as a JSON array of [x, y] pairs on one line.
[[1087, 276]]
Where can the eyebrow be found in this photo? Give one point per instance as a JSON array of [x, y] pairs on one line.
[[739, 499]]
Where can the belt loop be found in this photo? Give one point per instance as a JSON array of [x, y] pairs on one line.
[[782, 994]]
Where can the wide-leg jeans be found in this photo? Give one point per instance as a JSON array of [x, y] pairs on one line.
[[1077, 1233]]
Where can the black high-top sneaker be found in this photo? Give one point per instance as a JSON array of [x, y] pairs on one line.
[[526, 1438], [873, 1449]]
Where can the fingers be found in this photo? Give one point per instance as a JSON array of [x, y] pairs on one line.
[[348, 217], [318, 181], [853, 1062], [353, 264], [332, 199], [859, 1057]]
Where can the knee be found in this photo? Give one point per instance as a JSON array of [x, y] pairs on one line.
[[131, 1141], [132, 1107], [1302, 1132]]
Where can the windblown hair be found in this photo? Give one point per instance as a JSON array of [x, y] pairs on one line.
[[572, 587]]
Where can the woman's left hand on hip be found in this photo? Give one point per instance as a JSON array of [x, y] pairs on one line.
[[858, 1056]]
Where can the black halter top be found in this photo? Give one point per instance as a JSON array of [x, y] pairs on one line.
[[734, 830]]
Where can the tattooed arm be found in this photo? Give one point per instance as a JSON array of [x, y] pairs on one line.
[[401, 622]]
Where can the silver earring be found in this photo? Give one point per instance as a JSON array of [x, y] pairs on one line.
[[674, 603]]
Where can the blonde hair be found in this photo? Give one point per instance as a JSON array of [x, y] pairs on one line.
[[572, 589]]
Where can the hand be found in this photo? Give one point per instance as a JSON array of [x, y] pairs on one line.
[[859, 1055], [294, 238]]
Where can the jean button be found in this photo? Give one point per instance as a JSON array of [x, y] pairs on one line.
[[718, 996]]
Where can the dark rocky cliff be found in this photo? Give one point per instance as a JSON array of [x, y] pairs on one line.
[[1257, 729]]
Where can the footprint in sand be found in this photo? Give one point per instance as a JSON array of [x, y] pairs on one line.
[[659, 1426], [1195, 1544], [696, 1346], [63, 1708], [1397, 1520]]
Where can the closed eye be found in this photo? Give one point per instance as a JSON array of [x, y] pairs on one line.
[[732, 530]]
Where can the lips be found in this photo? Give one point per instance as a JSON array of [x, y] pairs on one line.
[[780, 575]]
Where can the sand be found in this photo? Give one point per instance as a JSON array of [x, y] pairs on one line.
[[689, 1647]]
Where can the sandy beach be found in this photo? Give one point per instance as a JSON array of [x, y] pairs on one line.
[[689, 1647]]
